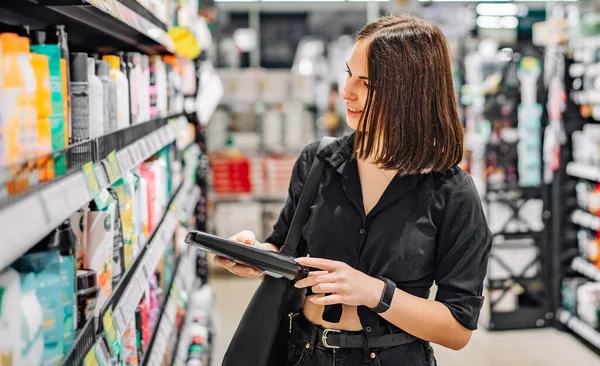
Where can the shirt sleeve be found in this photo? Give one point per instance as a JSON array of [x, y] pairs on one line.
[[299, 173], [464, 244]]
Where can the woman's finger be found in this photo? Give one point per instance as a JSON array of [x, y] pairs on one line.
[[315, 280], [246, 237], [326, 288], [327, 300], [223, 262], [320, 263]]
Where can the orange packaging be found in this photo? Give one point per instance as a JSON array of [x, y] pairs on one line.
[[41, 68], [13, 109]]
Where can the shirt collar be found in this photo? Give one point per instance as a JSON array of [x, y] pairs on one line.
[[339, 152]]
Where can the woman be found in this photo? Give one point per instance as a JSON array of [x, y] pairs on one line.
[[392, 215]]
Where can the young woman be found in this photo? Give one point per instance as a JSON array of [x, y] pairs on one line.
[[392, 215]]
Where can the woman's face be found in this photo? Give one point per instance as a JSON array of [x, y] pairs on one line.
[[356, 88]]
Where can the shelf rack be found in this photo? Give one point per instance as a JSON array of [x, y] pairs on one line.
[[583, 171], [579, 327], [25, 220], [94, 24], [167, 320], [129, 291], [586, 268]]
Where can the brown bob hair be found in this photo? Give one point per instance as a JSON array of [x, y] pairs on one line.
[[410, 115]]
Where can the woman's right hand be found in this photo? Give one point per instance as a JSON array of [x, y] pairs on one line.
[[248, 238]]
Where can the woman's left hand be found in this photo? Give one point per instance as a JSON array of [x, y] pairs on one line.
[[345, 284]]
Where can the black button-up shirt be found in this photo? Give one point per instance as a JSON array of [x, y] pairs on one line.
[[425, 228]]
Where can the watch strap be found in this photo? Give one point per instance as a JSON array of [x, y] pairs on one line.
[[386, 296]]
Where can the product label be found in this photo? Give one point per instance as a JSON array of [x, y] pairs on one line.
[[101, 197], [112, 333], [80, 111], [114, 165]]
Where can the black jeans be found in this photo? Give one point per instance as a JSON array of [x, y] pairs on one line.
[[301, 352]]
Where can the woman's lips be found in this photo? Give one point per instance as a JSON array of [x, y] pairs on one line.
[[353, 112]]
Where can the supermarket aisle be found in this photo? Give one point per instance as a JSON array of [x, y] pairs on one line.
[[546, 347]]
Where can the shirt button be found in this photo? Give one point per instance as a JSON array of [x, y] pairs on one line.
[[368, 329], [362, 231]]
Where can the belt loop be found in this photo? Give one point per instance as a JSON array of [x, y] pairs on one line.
[[366, 350], [313, 339]]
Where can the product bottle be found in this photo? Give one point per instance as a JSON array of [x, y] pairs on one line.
[[134, 74], [44, 111], [57, 35], [109, 88], [145, 105], [30, 113], [57, 121], [13, 105], [96, 101], [159, 87], [87, 296], [123, 112], [80, 101]]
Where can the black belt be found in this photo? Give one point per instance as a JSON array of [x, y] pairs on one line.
[[334, 339]]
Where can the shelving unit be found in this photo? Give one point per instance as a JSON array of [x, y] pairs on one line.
[[129, 292], [122, 24], [586, 268], [167, 319], [578, 326], [583, 171], [26, 221]]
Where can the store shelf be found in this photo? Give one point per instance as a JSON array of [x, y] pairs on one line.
[[93, 24], [157, 347], [127, 295], [27, 220], [124, 306], [578, 326], [247, 197], [586, 220], [586, 268], [583, 171]]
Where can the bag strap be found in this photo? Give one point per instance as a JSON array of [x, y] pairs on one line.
[[306, 197]]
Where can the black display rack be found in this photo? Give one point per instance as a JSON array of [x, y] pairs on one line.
[[93, 25]]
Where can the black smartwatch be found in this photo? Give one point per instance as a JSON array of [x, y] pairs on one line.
[[386, 296]]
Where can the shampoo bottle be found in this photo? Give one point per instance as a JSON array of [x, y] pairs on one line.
[[80, 100], [119, 77], [57, 117], [135, 72], [44, 111], [57, 35], [109, 88], [96, 101]]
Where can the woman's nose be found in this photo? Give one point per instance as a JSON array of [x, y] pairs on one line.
[[347, 93]]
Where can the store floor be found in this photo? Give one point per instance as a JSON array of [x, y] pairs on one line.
[[546, 347]]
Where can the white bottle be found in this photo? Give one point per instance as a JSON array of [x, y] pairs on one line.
[[96, 101], [145, 89], [123, 112], [162, 95]]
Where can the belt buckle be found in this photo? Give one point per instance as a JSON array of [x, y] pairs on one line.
[[324, 338]]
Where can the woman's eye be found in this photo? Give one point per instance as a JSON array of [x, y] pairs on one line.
[[367, 85], [348, 72]]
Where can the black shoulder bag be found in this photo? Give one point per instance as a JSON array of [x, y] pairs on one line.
[[262, 335]]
